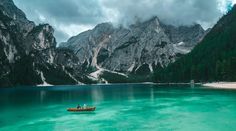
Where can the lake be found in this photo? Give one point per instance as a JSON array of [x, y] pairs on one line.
[[119, 107]]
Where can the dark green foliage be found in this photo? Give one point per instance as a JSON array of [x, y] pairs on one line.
[[114, 78], [23, 72], [86, 80], [87, 69], [132, 78], [91, 69], [56, 75], [102, 55], [214, 59], [143, 70], [178, 55], [136, 78]]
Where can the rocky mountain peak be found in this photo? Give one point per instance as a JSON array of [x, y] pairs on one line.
[[6, 2], [28, 54], [104, 28], [150, 24], [40, 38], [142, 47], [154, 20], [12, 10]]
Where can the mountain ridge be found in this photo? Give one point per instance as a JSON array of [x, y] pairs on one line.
[[213, 59], [105, 54], [28, 52], [142, 47]]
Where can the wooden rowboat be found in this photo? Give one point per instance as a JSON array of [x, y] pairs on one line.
[[81, 109]]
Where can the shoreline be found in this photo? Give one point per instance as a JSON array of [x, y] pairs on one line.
[[221, 85], [215, 85]]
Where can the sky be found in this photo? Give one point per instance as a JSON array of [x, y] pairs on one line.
[[71, 17]]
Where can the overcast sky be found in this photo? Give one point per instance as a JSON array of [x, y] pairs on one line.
[[71, 17]]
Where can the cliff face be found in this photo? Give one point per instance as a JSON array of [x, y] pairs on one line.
[[28, 52], [139, 49]]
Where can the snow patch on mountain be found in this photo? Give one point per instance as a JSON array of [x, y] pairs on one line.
[[180, 48], [44, 80], [131, 67], [150, 67]]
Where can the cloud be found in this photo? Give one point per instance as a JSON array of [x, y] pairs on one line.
[[70, 17], [175, 12], [69, 11]]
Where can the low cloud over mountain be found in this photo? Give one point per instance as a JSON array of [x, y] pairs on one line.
[[70, 17]]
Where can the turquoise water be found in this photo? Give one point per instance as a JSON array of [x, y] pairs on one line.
[[119, 107]]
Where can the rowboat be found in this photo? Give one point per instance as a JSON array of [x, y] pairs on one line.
[[81, 109]]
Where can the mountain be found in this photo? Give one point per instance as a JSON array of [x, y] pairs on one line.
[[114, 53], [28, 53], [213, 59], [29, 56]]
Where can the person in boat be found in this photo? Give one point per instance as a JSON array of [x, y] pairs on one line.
[[78, 107]]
